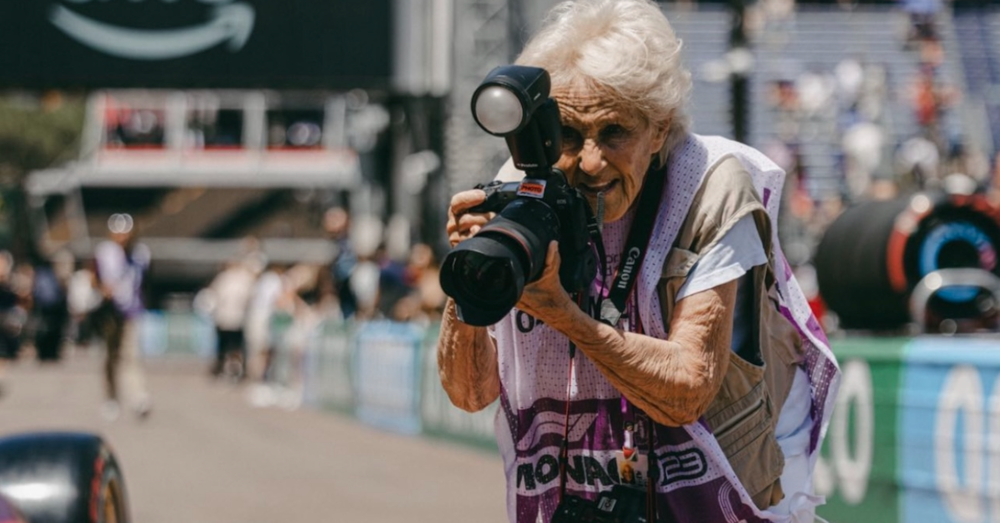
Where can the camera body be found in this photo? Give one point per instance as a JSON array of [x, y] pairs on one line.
[[518, 202], [486, 273], [619, 505]]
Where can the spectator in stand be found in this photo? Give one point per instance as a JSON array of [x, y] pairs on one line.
[[783, 100], [931, 99], [993, 189], [121, 263], [922, 32], [862, 144], [918, 164], [773, 21]]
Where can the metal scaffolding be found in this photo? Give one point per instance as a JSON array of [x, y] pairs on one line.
[[482, 42]]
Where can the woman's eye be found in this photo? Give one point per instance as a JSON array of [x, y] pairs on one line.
[[614, 132], [571, 138]]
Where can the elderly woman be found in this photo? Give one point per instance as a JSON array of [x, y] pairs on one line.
[[710, 393]]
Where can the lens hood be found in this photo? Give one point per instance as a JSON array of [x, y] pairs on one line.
[[485, 275]]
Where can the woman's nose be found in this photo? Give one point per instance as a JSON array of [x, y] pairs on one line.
[[591, 158]]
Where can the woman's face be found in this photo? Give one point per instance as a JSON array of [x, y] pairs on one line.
[[607, 148]]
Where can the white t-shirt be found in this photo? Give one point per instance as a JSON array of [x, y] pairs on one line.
[[736, 253]]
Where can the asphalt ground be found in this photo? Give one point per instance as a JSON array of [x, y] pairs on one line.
[[205, 455]]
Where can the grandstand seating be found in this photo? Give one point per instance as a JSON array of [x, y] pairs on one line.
[[705, 33], [977, 33], [817, 41]]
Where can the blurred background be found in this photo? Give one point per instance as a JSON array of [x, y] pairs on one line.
[[286, 168]]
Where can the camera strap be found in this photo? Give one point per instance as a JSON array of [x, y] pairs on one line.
[[641, 424], [652, 472], [636, 245], [612, 309]]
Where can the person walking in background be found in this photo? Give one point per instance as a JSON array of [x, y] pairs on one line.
[[301, 305], [259, 340], [120, 264], [337, 223], [229, 296]]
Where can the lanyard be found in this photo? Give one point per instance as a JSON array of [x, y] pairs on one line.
[[636, 245], [611, 310], [640, 422]]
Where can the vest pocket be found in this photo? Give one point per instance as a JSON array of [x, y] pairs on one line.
[[742, 420], [729, 426], [759, 464]]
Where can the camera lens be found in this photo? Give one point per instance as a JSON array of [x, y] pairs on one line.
[[486, 274], [488, 280]]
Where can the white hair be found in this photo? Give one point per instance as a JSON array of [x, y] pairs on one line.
[[625, 48]]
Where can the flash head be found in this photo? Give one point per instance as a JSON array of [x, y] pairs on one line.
[[505, 100]]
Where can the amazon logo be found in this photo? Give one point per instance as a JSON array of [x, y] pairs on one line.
[[228, 23]]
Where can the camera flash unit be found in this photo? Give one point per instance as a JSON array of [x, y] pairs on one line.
[[505, 100]]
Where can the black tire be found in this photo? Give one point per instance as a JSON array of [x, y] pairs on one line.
[[63, 478], [851, 269], [853, 258]]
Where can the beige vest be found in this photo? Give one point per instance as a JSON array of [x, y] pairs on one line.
[[744, 413]]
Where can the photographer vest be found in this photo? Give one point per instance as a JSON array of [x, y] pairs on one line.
[[699, 477], [744, 413]]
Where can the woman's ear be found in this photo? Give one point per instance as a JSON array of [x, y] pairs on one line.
[[660, 133]]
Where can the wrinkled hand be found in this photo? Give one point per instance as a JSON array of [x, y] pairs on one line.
[[463, 225], [546, 299]]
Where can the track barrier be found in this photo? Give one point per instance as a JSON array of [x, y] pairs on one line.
[[915, 435]]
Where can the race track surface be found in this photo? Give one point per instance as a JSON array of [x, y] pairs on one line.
[[205, 455]]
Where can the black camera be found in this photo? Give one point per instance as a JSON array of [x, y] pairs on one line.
[[619, 505], [486, 274]]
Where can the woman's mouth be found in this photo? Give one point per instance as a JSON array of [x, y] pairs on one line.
[[596, 189]]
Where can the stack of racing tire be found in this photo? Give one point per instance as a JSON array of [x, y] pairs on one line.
[[60, 477], [875, 253]]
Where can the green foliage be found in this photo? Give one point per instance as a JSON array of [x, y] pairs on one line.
[[37, 132]]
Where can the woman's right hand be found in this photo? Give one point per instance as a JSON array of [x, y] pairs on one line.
[[463, 225]]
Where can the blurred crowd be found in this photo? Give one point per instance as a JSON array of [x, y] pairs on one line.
[[363, 282], [34, 306], [37, 312], [49, 304]]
